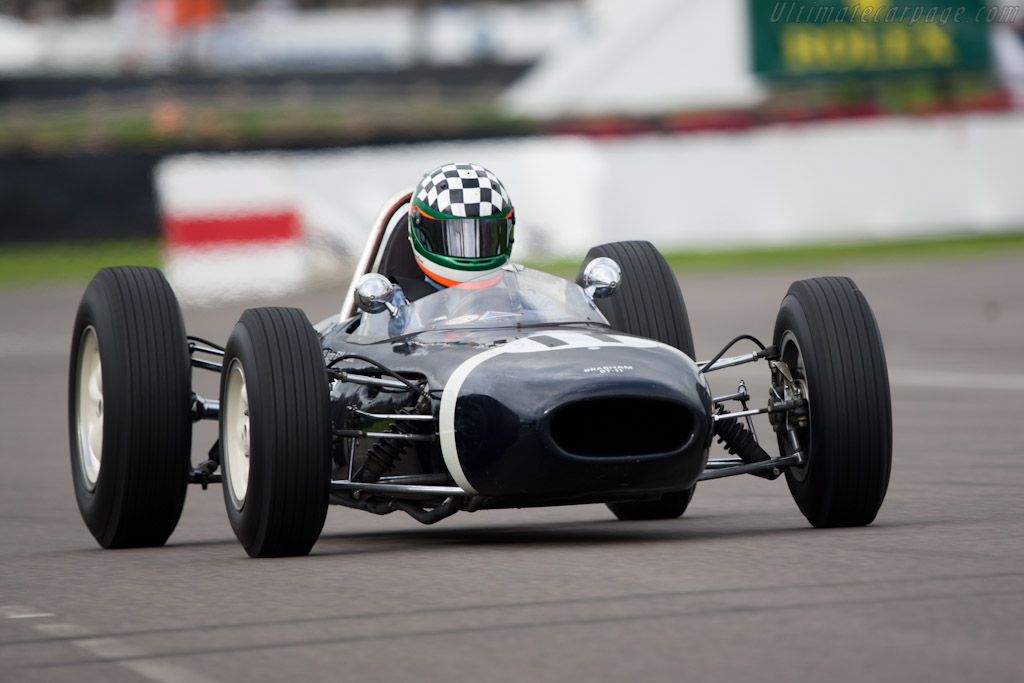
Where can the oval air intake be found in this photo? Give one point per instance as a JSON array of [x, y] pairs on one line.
[[621, 427]]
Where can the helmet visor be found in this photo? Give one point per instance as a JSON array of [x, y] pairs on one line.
[[464, 237]]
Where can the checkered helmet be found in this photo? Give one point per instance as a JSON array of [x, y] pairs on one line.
[[461, 223]]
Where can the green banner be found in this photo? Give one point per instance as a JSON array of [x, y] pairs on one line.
[[825, 38]]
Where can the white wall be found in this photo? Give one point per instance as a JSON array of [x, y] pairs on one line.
[[842, 181], [644, 57]]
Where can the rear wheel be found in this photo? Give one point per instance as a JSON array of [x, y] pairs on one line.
[[648, 303], [275, 433], [129, 408], [830, 342]]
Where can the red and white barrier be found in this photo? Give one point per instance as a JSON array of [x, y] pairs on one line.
[[232, 228]]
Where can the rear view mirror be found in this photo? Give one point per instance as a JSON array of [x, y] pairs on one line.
[[373, 293], [601, 277]]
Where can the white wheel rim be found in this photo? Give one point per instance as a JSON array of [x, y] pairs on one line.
[[90, 407], [236, 435]]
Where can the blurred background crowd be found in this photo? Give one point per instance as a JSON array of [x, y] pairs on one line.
[[96, 95]]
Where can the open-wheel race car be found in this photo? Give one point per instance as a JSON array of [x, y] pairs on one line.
[[522, 390]]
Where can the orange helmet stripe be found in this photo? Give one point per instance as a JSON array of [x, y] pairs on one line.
[[481, 284]]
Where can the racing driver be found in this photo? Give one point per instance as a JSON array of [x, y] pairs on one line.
[[461, 226]]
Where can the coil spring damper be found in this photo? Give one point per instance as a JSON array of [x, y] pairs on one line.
[[739, 441], [385, 454]]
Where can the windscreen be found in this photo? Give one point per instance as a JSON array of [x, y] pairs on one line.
[[519, 297]]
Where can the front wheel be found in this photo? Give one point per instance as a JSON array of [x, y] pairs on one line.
[[831, 346], [648, 304], [275, 433], [129, 406]]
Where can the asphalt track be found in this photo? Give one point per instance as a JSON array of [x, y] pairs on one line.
[[741, 588]]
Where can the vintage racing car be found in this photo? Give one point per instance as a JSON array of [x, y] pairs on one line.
[[527, 390]]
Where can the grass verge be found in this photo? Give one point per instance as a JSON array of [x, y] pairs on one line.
[[932, 248], [26, 264]]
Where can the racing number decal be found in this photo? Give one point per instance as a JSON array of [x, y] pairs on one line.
[[553, 342]]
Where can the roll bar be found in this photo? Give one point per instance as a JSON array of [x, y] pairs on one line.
[[371, 252]]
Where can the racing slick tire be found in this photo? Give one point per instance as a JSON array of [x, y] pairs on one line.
[[275, 433], [129, 408], [827, 335], [647, 303]]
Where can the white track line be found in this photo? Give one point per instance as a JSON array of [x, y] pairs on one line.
[[20, 612], [959, 380], [124, 654]]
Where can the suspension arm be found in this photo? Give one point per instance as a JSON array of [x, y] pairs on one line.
[[360, 434], [773, 466], [780, 407]]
